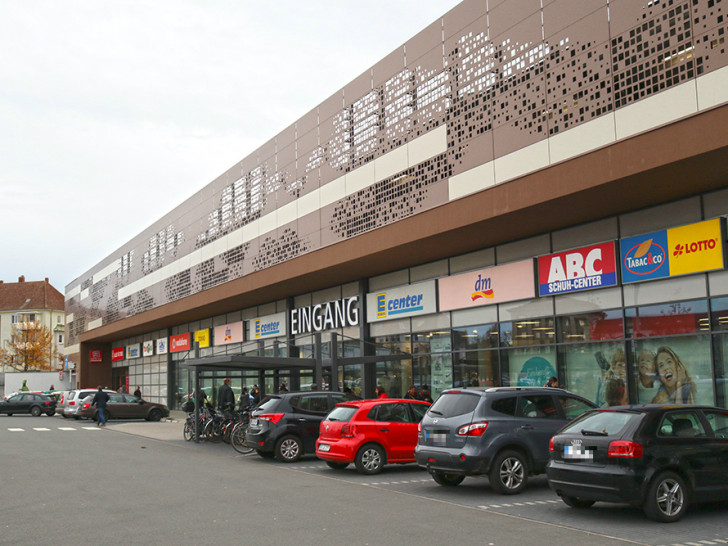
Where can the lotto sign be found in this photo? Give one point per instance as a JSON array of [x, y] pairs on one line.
[[179, 343], [676, 251], [579, 269], [117, 353], [203, 337]]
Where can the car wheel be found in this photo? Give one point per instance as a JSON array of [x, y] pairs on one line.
[[576, 502], [336, 466], [509, 473], [155, 415], [265, 454], [667, 498], [10, 414], [50, 413], [370, 459], [447, 478], [35, 411], [288, 449], [66, 416]]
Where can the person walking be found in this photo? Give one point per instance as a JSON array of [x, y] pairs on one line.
[[225, 396], [138, 392], [381, 393], [100, 399]]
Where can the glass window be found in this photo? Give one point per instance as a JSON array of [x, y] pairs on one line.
[[475, 368], [537, 406], [419, 411], [452, 404], [390, 413], [342, 413], [718, 421], [528, 367], [596, 371], [596, 326], [684, 424], [687, 317], [609, 422], [719, 314], [527, 332], [674, 370], [506, 406], [573, 407], [484, 336]]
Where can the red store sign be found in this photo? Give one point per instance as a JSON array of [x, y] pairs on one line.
[[179, 343], [96, 356], [117, 353]]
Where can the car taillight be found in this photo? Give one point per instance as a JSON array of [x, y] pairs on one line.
[[48, 403], [419, 427], [72, 403], [271, 417], [86, 405], [623, 448], [551, 445], [475, 429], [347, 431]]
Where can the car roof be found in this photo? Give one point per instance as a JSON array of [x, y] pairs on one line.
[[372, 401], [645, 408]]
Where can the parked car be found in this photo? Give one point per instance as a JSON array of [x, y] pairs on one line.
[[660, 458], [503, 432], [124, 406], [72, 401], [26, 402], [287, 425], [370, 433]]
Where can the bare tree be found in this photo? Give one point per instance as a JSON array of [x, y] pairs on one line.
[[30, 347]]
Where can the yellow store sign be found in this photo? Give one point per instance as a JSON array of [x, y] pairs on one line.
[[203, 337], [695, 247]]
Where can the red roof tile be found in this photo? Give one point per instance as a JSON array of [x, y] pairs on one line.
[[29, 295]]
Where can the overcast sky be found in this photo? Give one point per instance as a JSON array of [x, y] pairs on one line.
[[114, 112]]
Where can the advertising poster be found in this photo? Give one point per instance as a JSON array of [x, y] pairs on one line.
[[268, 326], [179, 343], [580, 269], [598, 372], [674, 370], [402, 301], [117, 353], [133, 351], [203, 337], [676, 251], [148, 348], [94, 356], [530, 367], [162, 346], [229, 333], [499, 284]]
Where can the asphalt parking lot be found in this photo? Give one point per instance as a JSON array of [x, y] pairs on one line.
[[706, 524]]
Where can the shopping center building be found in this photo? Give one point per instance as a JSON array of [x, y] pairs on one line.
[[523, 189]]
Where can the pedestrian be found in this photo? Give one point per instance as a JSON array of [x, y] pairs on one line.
[[225, 396], [282, 389], [201, 399], [255, 395], [52, 388], [138, 392], [99, 400], [244, 400], [552, 382], [412, 393], [381, 393], [425, 394], [24, 387], [122, 389]]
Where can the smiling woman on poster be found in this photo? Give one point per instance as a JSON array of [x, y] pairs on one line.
[[676, 385]]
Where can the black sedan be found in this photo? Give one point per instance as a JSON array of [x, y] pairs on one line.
[[659, 458], [33, 403]]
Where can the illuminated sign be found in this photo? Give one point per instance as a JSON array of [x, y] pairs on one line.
[[584, 268], [499, 284], [268, 326], [203, 337], [676, 251], [179, 343], [133, 351], [117, 353], [402, 301], [229, 333], [95, 356], [325, 316]]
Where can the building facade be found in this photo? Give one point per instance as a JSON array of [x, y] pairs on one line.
[[38, 302], [516, 192]]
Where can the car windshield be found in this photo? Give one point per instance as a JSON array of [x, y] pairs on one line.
[[602, 423], [452, 404], [341, 413]]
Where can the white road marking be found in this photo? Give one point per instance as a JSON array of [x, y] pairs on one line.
[[42, 429], [16, 430]]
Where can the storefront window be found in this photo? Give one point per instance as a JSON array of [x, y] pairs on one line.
[[528, 367], [596, 371], [484, 336], [519, 333], [719, 314], [674, 370], [395, 377], [475, 368], [685, 317], [595, 326], [350, 378]]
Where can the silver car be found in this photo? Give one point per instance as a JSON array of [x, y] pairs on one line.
[[71, 405]]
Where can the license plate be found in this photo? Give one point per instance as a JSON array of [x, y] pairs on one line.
[[324, 447], [254, 422], [437, 438], [578, 453]]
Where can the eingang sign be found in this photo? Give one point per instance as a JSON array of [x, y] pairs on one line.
[[325, 316]]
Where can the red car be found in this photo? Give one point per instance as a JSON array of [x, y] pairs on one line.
[[370, 433]]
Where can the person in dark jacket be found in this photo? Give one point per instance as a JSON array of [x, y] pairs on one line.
[[425, 394], [225, 396], [138, 392], [412, 393], [99, 400]]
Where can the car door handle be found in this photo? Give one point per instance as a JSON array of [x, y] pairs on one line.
[[302, 420], [527, 427], [384, 429]]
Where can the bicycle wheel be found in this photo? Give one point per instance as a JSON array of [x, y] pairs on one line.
[[237, 439], [189, 431], [212, 431]]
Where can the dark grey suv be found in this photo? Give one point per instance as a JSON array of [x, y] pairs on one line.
[[287, 425], [503, 432]]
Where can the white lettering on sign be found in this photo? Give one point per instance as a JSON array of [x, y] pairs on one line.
[[576, 266], [325, 316]]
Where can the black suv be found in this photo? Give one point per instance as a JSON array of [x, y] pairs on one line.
[[287, 425], [500, 431], [33, 403]]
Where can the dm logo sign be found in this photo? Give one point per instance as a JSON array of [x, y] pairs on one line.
[[645, 257]]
